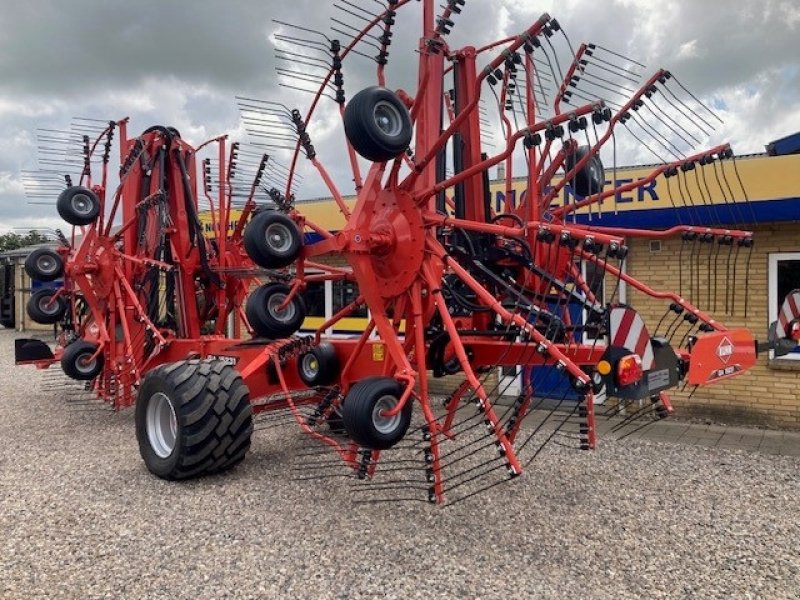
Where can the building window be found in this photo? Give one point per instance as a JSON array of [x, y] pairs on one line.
[[344, 292], [784, 276], [315, 299]]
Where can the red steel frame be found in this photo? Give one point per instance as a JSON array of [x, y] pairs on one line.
[[391, 244]]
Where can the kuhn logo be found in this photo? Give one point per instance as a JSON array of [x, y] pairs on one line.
[[725, 350]]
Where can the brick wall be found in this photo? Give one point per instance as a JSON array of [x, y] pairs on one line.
[[768, 394]]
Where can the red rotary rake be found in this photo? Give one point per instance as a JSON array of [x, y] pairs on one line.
[[153, 309]]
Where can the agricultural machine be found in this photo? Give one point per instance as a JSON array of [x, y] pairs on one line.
[[184, 286]]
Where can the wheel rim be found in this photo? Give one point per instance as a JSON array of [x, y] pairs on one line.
[[82, 204], [46, 306], [309, 365], [382, 423], [162, 425], [387, 118], [46, 264], [278, 237], [273, 307], [84, 363]]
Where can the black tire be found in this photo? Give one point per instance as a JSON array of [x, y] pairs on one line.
[[170, 131], [8, 311], [78, 205], [377, 124], [360, 411], [76, 363], [590, 179], [213, 420], [319, 366], [266, 321], [41, 310], [272, 240], [44, 264]]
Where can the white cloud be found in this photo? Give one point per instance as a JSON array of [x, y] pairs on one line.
[[161, 64]]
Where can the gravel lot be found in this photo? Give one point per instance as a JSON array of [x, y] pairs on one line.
[[80, 517]]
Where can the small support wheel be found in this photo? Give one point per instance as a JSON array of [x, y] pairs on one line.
[[193, 418], [44, 264], [272, 240], [78, 205], [77, 361], [45, 310], [362, 413], [590, 179], [377, 124], [319, 366], [267, 318]]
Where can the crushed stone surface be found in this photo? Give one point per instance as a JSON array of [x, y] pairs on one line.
[[81, 517]]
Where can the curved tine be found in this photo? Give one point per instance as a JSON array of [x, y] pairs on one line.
[[368, 17], [622, 56], [356, 30], [696, 99], [314, 31], [302, 42], [270, 102], [307, 91], [295, 56]]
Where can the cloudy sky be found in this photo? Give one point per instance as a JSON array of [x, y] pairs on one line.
[[181, 63]]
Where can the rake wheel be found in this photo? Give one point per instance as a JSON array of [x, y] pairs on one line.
[[44, 264], [45, 308], [78, 205], [363, 413], [82, 361], [454, 281]]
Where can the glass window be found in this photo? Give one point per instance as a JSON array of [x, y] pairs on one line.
[[315, 299], [344, 292]]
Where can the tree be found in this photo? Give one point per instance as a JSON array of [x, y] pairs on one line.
[[12, 241]]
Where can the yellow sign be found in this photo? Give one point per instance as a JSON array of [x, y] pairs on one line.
[[764, 178], [378, 352]]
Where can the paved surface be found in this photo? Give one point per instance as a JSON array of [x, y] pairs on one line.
[[80, 517], [747, 439]]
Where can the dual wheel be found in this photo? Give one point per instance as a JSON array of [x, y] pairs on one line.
[[44, 306], [273, 241]]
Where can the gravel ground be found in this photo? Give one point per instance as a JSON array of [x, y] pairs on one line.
[[80, 517]]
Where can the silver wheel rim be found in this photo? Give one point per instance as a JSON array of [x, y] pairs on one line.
[[278, 237], [309, 366], [46, 264], [387, 118], [82, 204], [84, 364], [162, 425], [382, 423], [46, 307], [273, 304]]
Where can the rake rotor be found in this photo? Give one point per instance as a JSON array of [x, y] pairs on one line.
[[455, 283]]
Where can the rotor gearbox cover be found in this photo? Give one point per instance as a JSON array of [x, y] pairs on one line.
[[397, 217]]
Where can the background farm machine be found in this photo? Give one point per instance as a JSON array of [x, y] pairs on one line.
[[199, 330]]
